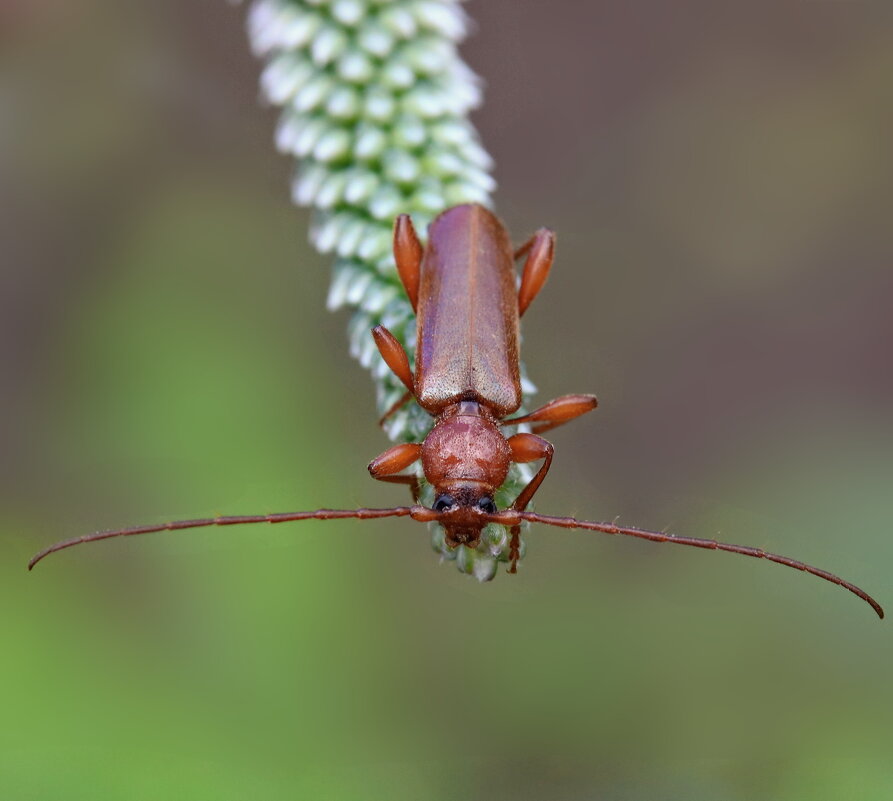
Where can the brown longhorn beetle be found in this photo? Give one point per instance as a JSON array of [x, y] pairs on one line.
[[462, 286]]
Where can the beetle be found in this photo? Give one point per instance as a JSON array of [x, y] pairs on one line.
[[464, 290]]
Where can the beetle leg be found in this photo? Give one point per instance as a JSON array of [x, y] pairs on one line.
[[527, 448], [408, 255], [540, 250], [522, 251], [394, 355], [556, 412], [411, 479], [405, 398], [386, 466]]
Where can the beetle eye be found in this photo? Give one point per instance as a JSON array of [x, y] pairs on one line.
[[487, 506], [443, 502]]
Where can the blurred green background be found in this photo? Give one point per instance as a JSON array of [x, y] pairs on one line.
[[720, 179]]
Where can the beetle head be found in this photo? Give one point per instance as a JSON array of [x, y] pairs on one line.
[[463, 508]]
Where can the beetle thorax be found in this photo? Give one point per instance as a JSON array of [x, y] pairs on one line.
[[465, 454]]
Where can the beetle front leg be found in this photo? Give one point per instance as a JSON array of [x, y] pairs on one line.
[[386, 466], [411, 480], [527, 448]]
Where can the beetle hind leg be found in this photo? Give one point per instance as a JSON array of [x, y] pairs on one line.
[[540, 250], [408, 256]]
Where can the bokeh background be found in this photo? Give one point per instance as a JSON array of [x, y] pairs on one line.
[[720, 179]]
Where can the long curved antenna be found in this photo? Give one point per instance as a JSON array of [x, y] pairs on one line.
[[510, 517], [423, 514], [417, 512]]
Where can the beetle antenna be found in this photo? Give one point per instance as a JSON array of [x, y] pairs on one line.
[[420, 513], [511, 517]]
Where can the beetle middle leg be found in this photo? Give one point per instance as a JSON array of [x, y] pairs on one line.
[[556, 412], [405, 398], [394, 355], [527, 448]]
